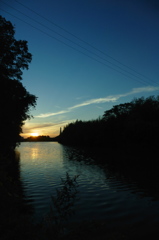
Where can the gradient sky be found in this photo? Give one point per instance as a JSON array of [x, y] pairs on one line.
[[88, 55]]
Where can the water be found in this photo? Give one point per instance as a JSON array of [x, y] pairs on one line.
[[102, 195]]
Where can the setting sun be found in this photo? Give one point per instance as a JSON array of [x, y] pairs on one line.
[[34, 134]]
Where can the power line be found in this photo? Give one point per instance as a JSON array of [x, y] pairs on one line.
[[73, 41], [141, 80], [84, 41], [46, 27]]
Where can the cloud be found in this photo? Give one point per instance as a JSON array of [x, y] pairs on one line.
[[94, 101], [145, 89], [137, 90], [42, 126], [112, 98], [44, 115], [52, 129], [37, 126]]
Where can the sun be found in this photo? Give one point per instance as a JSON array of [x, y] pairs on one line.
[[34, 134]]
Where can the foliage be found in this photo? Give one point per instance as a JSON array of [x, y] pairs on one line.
[[15, 100], [126, 137], [136, 122], [38, 139], [81, 132], [63, 202], [14, 55]]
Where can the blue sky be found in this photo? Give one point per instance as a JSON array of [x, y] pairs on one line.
[[88, 55]]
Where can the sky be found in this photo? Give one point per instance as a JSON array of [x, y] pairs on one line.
[[88, 55]]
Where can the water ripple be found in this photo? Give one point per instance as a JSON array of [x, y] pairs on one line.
[[101, 194]]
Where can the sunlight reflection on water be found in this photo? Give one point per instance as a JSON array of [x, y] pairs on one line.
[[101, 195]]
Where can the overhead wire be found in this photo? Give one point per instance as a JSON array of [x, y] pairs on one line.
[[57, 25], [79, 46], [139, 79], [46, 27], [64, 43], [143, 82]]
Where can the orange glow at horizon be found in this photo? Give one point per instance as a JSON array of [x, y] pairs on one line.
[[34, 134]]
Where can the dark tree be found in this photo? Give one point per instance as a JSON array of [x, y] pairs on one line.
[[129, 124], [118, 111], [14, 55], [15, 100]]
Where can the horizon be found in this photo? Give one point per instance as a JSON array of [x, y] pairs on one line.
[[87, 57]]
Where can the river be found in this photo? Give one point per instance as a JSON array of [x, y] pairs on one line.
[[102, 195]]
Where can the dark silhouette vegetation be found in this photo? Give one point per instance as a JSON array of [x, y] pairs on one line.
[[62, 207], [134, 123], [15, 100], [131, 128], [125, 137], [38, 139], [15, 104]]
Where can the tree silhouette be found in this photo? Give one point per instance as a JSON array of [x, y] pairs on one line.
[[15, 100], [133, 123], [14, 55], [126, 137]]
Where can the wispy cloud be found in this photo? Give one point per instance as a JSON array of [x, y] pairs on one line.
[[94, 101], [45, 126], [112, 98], [44, 115]]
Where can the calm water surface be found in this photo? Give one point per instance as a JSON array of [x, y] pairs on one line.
[[101, 194]]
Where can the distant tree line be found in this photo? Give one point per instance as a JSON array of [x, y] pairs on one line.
[[38, 139], [133, 123], [125, 137], [15, 100]]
